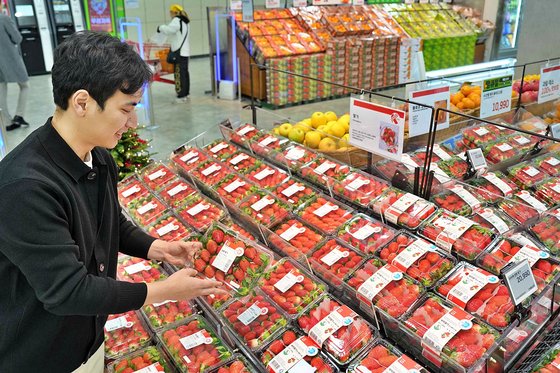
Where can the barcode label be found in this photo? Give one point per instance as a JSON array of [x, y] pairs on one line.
[[522, 140], [234, 185], [357, 184], [295, 154], [535, 203], [156, 175], [494, 220], [135, 268], [196, 339], [251, 314], [324, 167], [195, 210], [210, 170], [293, 189], [441, 153], [239, 158], [177, 189], [365, 231], [118, 323], [553, 161], [286, 282], [481, 131], [334, 256], [189, 155], [504, 147], [154, 368], [531, 171], [226, 257], [245, 130], [378, 281], [262, 203], [408, 162], [219, 147], [130, 191], [147, 207], [291, 232], [325, 209], [267, 141], [466, 196], [264, 173], [439, 174], [166, 229]]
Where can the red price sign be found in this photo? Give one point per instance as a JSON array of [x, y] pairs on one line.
[[549, 85]]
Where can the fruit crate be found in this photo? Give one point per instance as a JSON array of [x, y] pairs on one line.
[[402, 209], [160, 315], [242, 162], [418, 258], [341, 332], [295, 192], [549, 163], [459, 199], [492, 186], [523, 207], [236, 364], [267, 143], [186, 158], [193, 345], [359, 188], [547, 231], [138, 270], [479, 136], [293, 157], [130, 189], [200, 212], [150, 359], [384, 357], [267, 176], [262, 209], [156, 174], [325, 214], [494, 219], [146, 210], [220, 149], [323, 170], [293, 351], [175, 192], [294, 238], [424, 328], [169, 228], [365, 233], [125, 333], [523, 142]]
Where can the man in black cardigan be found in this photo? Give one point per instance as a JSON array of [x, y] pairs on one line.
[[61, 226]]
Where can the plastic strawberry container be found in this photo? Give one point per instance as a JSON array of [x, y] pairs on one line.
[[263, 208], [332, 260], [291, 287], [419, 332], [547, 230], [494, 219], [151, 359], [146, 210], [242, 162], [459, 199], [418, 258], [295, 192], [267, 177], [491, 186], [236, 364], [238, 229], [478, 136], [359, 188], [186, 158], [253, 319], [549, 190], [403, 209], [244, 133], [266, 143], [549, 163], [156, 175], [175, 192], [322, 171], [525, 175], [500, 151], [523, 142], [124, 333], [220, 149], [169, 228], [480, 293], [193, 345], [325, 214], [137, 270], [439, 154], [341, 341], [457, 235], [293, 157], [215, 302], [293, 351], [159, 315], [455, 167], [383, 357], [387, 168], [199, 212], [294, 238], [130, 189], [365, 233], [210, 172], [233, 189], [523, 207]]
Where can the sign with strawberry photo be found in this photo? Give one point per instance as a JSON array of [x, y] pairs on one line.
[[124, 333]]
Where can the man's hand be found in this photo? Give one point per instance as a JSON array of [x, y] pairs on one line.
[[178, 253]]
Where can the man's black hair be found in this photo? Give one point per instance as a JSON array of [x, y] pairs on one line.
[[99, 63]]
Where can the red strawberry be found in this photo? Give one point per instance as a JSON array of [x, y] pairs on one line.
[[218, 236], [289, 337], [276, 347]]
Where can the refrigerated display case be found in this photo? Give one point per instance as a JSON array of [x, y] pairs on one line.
[[507, 29]]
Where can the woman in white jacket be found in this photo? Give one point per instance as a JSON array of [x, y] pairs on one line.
[[178, 33]]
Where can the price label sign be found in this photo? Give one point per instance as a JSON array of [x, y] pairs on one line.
[[298, 3], [247, 11], [520, 281], [477, 159], [271, 4], [555, 130], [549, 85], [420, 116], [235, 5], [496, 96]]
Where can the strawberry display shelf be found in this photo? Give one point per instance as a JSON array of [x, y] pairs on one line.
[[549, 163], [186, 158], [266, 143], [295, 192], [447, 338], [193, 345], [547, 230], [480, 293], [403, 209], [293, 157], [175, 192], [242, 162], [262, 208], [383, 357], [359, 188], [146, 210], [294, 238], [332, 260], [490, 187], [125, 333], [323, 171], [293, 351], [291, 287], [365, 233], [236, 364], [149, 359], [169, 228], [479, 135], [156, 174], [523, 207], [210, 173], [137, 270], [525, 175], [548, 191], [325, 214], [159, 315], [494, 219], [457, 235], [233, 189], [459, 199], [500, 151], [130, 189], [200, 212], [341, 332], [220, 149], [418, 258], [267, 177], [254, 319], [243, 134]]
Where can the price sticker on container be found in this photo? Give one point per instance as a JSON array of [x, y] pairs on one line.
[[520, 281], [549, 84], [496, 96]]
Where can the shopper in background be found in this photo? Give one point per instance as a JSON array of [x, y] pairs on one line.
[[61, 225], [178, 32], [12, 70]]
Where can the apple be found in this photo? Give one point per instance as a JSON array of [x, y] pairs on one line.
[[297, 135], [284, 129]]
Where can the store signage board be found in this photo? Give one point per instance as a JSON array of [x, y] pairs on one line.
[[272, 4], [376, 128], [236, 5], [420, 116], [247, 10], [298, 3], [520, 281], [549, 85], [496, 96]]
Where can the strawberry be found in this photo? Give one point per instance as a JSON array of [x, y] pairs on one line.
[[267, 177], [150, 356], [548, 231], [218, 236], [157, 175], [210, 172], [124, 333], [549, 163], [454, 167], [294, 238], [237, 366], [389, 206], [365, 233], [131, 189], [243, 233], [288, 337], [266, 143], [187, 158], [243, 134], [333, 261], [175, 192], [459, 199], [167, 313], [233, 188], [324, 214], [294, 192]]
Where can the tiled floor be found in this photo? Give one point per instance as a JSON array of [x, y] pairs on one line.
[[177, 123]]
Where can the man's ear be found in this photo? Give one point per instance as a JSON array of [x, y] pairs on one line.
[[79, 101]]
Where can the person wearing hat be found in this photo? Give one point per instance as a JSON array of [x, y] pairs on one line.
[[178, 33]]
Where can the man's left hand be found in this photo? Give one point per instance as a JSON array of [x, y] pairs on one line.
[[178, 253]]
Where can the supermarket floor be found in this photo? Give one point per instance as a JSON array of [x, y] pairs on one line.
[[177, 123]]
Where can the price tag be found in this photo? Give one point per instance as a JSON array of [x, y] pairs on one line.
[[378, 281], [494, 220], [195, 210], [520, 281], [504, 147], [521, 239], [177, 189], [357, 183], [196, 339], [477, 159], [496, 96], [286, 282], [555, 130], [334, 256], [251, 314], [154, 368], [210, 170], [262, 203], [412, 253], [499, 183], [341, 316], [156, 175], [521, 140], [443, 330], [549, 84], [293, 189], [234, 185], [238, 158], [365, 231], [264, 173], [324, 167], [245, 130], [226, 257], [130, 191], [551, 161], [325, 209], [535, 203], [190, 155], [135, 268], [291, 232], [147, 207], [236, 5], [167, 229], [118, 323], [295, 154]]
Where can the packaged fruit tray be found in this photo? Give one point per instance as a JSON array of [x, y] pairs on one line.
[[455, 167], [439, 154], [332, 260], [242, 162], [210, 172], [387, 168], [236, 364], [291, 287], [547, 230], [523, 207], [500, 151], [243, 134], [322, 171], [186, 158], [199, 212], [341, 332], [383, 357], [293, 157], [267, 176], [525, 175], [234, 188], [294, 238], [365, 234], [175, 192], [494, 219], [295, 192], [523, 142], [220, 149], [146, 210], [292, 351], [130, 189], [158, 315], [124, 333], [549, 191], [325, 214], [403, 209], [234, 227], [253, 319], [266, 143], [418, 258], [492, 186], [150, 359], [231, 260], [457, 234], [447, 337], [549, 163], [193, 345], [377, 286], [359, 188], [169, 228], [137, 270], [479, 135], [459, 199], [263, 208], [156, 174], [480, 293]]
